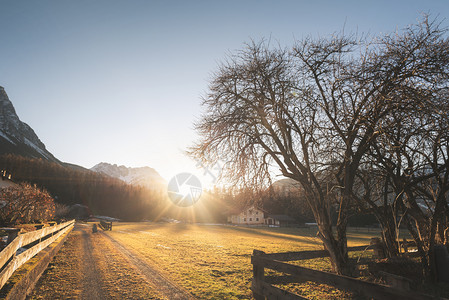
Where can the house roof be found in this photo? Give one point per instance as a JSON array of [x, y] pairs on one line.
[[255, 207], [236, 211]]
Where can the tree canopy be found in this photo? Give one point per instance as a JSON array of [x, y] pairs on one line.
[[329, 110]]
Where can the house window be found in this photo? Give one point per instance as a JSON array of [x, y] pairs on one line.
[[257, 212], [244, 219], [257, 219], [250, 219]]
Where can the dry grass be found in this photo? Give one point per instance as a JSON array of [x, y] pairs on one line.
[[64, 278], [120, 280], [60, 280], [213, 262]]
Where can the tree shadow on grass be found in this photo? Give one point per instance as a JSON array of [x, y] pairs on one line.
[[306, 238]]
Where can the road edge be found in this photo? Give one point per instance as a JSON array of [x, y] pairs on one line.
[[22, 283]]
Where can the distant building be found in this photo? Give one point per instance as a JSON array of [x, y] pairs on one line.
[[257, 216], [5, 175], [249, 216], [280, 220], [6, 179]]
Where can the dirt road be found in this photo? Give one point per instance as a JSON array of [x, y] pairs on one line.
[[92, 286], [95, 266]]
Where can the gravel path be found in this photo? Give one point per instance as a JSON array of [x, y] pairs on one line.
[[163, 285], [94, 266], [91, 284]]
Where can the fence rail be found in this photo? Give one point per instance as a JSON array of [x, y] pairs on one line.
[[262, 287], [10, 261], [301, 255]]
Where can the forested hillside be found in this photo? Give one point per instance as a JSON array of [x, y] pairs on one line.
[[103, 195]]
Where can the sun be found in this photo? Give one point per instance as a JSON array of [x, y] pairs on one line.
[[185, 190]]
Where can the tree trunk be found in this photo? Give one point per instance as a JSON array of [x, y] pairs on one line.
[[417, 232], [389, 234], [342, 246], [389, 239], [337, 249]]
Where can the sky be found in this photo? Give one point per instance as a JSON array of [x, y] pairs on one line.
[[122, 81]]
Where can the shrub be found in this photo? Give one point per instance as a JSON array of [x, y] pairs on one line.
[[25, 203]]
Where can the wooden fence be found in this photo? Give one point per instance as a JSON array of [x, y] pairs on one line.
[[262, 286], [106, 225], [34, 242]]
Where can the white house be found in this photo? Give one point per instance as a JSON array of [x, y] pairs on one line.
[[249, 216]]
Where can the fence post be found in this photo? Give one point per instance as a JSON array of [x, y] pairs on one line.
[[258, 277]]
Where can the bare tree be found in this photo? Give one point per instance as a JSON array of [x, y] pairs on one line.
[[260, 113], [313, 113], [419, 169], [362, 96], [412, 149]]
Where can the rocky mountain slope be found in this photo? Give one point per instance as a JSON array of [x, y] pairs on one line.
[[17, 137], [144, 176]]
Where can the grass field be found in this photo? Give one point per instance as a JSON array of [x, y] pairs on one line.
[[213, 262]]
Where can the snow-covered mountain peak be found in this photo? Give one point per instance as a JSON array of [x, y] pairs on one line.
[[17, 136], [143, 176]]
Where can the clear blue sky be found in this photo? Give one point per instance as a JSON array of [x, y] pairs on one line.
[[121, 81]]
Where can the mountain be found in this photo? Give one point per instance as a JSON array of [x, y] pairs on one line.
[[17, 137], [144, 176]]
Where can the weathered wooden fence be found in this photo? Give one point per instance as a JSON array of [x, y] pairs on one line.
[[262, 286], [106, 225], [34, 241]]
